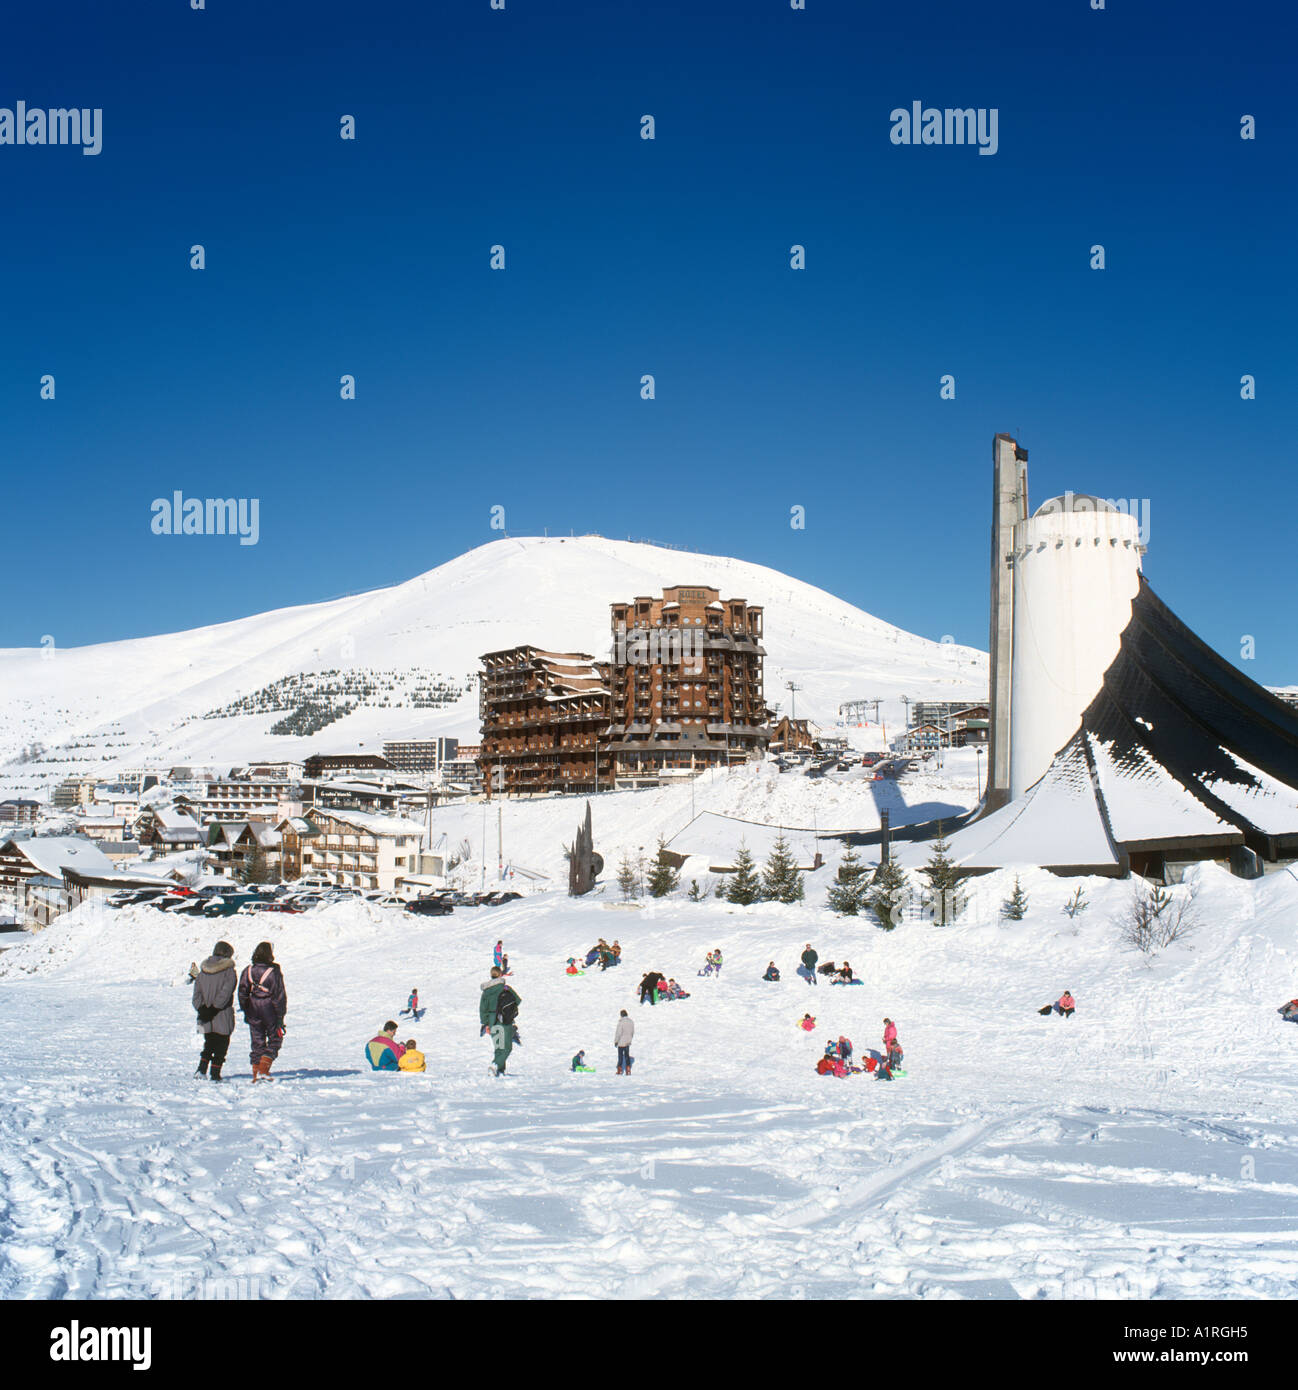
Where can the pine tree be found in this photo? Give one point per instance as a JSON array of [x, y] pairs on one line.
[[943, 883], [781, 881], [744, 887], [1077, 903], [847, 892], [663, 878], [720, 890], [889, 893], [695, 893], [1015, 907], [626, 879]]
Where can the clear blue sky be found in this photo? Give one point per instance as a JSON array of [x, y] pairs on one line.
[[521, 388]]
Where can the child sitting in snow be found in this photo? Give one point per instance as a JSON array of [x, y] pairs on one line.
[[1289, 1012], [671, 990], [713, 964], [579, 1062], [771, 972], [807, 1024], [412, 1059], [572, 967]]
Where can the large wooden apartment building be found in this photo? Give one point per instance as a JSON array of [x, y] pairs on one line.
[[682, 691], [543, 715], [687, 683]]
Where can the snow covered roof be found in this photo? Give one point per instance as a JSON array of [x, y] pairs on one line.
[[51, 854], [1177, 753], [375, 825]]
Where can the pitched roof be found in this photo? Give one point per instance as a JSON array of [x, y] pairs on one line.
[[51, 854]]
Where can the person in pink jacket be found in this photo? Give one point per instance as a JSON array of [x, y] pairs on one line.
[[889, 1032], [1066, 1004]]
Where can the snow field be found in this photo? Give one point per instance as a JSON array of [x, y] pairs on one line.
[[1145, 1148]]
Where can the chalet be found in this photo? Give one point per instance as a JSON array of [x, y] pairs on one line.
[[166, 830], [968, 727], [297, 837], [923, 738], [790, 734], [32, 874], [238, 846]]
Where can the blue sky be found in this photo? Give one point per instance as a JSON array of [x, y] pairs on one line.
[[520, 388]]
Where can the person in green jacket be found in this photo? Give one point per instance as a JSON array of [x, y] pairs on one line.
[[497, 1010]]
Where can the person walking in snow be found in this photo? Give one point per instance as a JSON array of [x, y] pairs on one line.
[[263, 1000], [412, 1005], [498, 955], [809, 959], [214, 986], [622, 1036], [497, 1010]]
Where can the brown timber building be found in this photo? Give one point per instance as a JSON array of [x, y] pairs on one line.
[[542, 717], [682, 692]]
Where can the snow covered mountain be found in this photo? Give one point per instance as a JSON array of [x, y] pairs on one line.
[[402, 660]]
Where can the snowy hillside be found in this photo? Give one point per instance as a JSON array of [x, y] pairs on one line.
[[213, 694], [1143, 1149]]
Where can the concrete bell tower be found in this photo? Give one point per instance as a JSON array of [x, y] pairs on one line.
[[1009, 507]]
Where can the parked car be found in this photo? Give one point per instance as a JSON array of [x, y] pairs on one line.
[[273, 907], [229, 903], [501, 896], [128, 897], [430, 907]]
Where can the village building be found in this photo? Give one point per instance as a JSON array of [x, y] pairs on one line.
[[420, 754], [74, 791], [244, 797], [789, 735], [247, 850], [322, 764], [967, 727], [380, 795], [354, 849], [166, 830], [32, 884], [19, 811]]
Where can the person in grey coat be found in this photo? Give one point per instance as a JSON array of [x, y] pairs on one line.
[[214, 985], [622, 1041]]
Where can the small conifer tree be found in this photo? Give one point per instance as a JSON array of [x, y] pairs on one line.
[[847, 892], [1015, 907], [663, 878], [744, 887], [781, 881], [889, 893]]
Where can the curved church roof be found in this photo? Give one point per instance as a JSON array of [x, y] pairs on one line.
[[1179, 753]]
